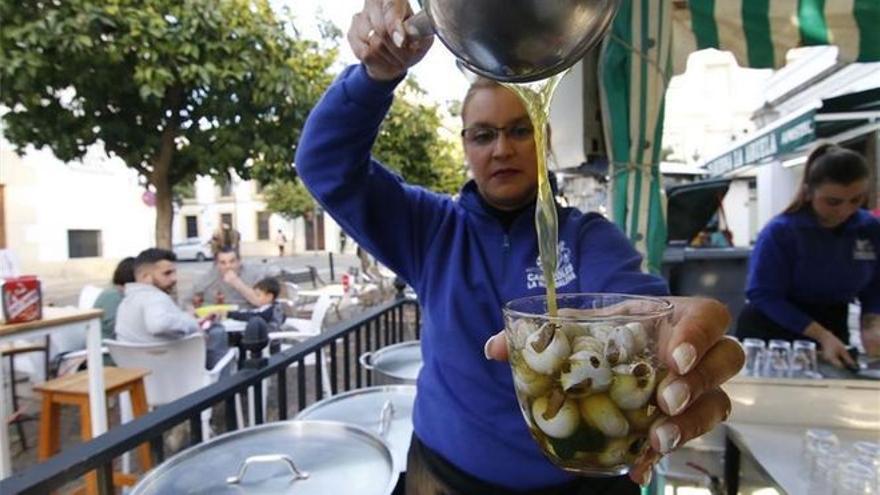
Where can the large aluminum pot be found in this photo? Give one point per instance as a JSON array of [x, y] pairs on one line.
[[396, 364], [296, 457], [516, 40], [385, 410]]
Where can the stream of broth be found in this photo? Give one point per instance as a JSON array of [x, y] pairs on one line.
[[536, 96]]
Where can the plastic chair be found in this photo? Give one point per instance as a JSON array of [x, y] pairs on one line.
[[68, 349], [290, 292], [301, 329], [177, 369], [88, 295]]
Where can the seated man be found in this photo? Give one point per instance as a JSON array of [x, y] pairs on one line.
[[228, 282], [148, 314]]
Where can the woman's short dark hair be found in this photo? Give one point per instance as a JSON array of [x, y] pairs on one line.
[[124, 273], [828, 162], [269, 285]]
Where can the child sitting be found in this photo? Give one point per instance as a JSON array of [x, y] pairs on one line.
[[268, 317]]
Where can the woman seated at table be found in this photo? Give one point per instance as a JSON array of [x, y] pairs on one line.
[[815, 258]]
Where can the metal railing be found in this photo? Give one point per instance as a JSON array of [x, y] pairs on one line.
[[386, 324]]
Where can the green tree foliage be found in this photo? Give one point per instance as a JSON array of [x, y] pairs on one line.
[[288, 198], [176, 88], [409, 143]]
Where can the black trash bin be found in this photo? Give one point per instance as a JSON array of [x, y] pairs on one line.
[[716, 272]]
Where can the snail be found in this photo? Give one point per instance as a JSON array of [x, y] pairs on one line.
[[529, 382], [546, 349], [555, 415], [587, 371], [600, 412], [633, 385]]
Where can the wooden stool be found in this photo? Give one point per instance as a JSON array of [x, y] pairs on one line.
[[74, 390]]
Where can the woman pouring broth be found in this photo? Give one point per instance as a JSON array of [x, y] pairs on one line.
[[815, 258], [467, 257]]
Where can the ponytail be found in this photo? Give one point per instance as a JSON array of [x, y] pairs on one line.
[[827, 162]]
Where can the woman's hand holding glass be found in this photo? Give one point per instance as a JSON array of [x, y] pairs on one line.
[[700, 358]]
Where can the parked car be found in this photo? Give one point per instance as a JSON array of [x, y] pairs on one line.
[[192, 249]]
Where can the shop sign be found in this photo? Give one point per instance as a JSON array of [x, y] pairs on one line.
[[778, 141]]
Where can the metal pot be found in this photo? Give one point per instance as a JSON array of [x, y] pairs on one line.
[[516, 40], [396, 364], [297, 457], [384, 410]]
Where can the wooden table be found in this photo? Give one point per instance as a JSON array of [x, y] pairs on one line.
[[67, 319]]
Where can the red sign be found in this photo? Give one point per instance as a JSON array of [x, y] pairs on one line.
[[22, 299]]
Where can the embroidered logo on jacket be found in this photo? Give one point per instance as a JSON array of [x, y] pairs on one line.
[[564, 270], [864, 250]]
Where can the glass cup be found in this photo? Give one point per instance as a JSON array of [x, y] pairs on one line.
[[803, 360], [819, 443], [754, 349], [586, 378], [776, 364], [853, 478]]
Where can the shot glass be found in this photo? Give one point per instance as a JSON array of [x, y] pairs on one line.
[[819, 443], [754, 349], [586, 378], [776, 364], [803, 360]]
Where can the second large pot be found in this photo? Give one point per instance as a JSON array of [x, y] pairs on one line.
[[397, 364]]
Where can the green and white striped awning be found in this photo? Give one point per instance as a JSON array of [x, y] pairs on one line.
[[650, 41], [760, 32]]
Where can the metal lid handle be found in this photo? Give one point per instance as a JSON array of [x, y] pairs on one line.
[[366, 360], [385, 418], [259, 459]]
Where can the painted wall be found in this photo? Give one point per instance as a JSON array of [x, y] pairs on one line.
[[45, 197]]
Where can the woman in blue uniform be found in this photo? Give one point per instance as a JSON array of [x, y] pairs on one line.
[[815, 258], [466, 257]]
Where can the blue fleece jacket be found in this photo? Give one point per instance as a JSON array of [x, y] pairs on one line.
[[464, 267], [796, 261]]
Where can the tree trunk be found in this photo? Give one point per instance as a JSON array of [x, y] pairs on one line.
[[160, 180], [160, 176]]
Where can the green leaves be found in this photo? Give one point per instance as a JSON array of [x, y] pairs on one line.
[[181, 88], [223, 79], [288, 198], [411, 142]]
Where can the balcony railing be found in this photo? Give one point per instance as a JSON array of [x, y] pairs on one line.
[[389, 323]]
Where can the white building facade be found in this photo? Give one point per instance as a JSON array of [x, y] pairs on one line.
[[790, 120], [241, 205], [71, 219]]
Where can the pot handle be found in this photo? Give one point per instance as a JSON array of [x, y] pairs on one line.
[[366, 360], [419, 25], [259, 459], [385, 418]]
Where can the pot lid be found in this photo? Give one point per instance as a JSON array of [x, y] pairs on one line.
[[384, 410], [297, 457], [402, 360]]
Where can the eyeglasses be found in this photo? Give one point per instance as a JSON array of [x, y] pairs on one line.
[[485, 135]]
